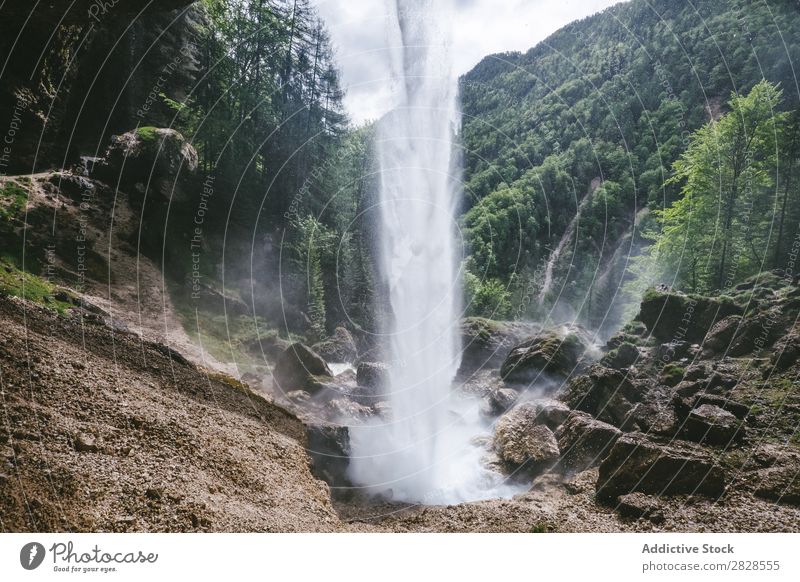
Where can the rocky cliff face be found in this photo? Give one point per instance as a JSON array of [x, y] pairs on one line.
[[67, 87]]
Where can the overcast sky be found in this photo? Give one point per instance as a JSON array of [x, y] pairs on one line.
[[480, 28]]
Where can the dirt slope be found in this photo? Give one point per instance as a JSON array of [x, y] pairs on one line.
[[100, 431]]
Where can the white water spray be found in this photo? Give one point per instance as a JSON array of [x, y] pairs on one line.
[[422, 452]]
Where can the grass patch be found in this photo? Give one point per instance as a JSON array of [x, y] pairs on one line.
[[672, 374], [13, 199], [147, 133], [17, 283]]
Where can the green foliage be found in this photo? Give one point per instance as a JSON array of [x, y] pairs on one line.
[[486, 298], [147, 133], [719, 232], [313, 245], [18, 283], [267, 121], [672, 374], [12, 200]]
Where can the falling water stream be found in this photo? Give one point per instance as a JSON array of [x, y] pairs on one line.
[[422, 452]]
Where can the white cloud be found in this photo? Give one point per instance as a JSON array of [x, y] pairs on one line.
[[480, 28]]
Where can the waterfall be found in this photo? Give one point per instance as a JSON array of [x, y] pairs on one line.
[[572, 227], [422, 451]]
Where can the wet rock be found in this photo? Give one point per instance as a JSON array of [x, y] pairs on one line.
[[338, 348], [584, 441], [499, 401], [329, 449], [672, 316], [553, 353], [607, 394], [720, 336], [581, 483], [640, 506], [520, 439], [382, 409], [672, 351], [622, 357], [65, 297], [344, 409], [697, 371], [486, 343], [551, 413], [779, 480], [717, 381], [268, 347], [711, 424], [757, 333], [736, 408], [787, 353], [689, 388], [297, 368], [298, 396], [373, 375], [72, 186], [635, 463], [656, 414]]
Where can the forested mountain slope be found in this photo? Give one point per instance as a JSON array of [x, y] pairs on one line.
[[594, 118], [223, 124]]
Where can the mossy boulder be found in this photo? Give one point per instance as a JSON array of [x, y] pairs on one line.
[[552, 353], [672, 374], [605, 393], [149, 156], [672, 316], [486, 342], [622, 357]]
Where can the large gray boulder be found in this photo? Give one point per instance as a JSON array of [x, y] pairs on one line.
[[711, 424], [635, 463], [299, 367], [485, 343], [584, 442], [606, 394], [552, 353], [672, 316], [521, 439]]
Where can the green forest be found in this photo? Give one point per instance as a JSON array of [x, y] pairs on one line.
[[661, 136], [680, 153]]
